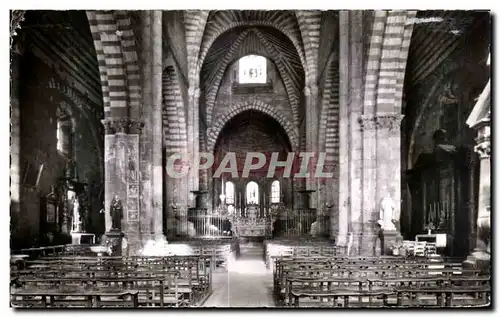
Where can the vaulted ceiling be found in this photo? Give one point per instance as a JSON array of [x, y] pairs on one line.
[[290, 39], [63, 40], [436, 35]]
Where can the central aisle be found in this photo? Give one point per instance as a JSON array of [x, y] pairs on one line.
[[246, 284]]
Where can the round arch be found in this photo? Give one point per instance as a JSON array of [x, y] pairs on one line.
[[257, 105]]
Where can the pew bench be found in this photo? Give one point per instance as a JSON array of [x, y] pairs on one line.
[[442, 296], [74, 298], [323, 284], [340, 298], [152, 291]]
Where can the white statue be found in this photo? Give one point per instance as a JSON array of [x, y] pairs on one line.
[[387, 209], [76, 216], [314, 229]]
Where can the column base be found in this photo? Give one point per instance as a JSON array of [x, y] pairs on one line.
[[358, 244], [156, 245], [114, 239], [392, 238]]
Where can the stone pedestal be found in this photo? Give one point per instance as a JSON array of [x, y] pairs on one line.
[[115, 240], [391, 238]]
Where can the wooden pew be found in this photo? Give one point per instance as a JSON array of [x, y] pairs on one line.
[[73, 298], [159, 291], [401, 272], [443, 296], [195, 271], [322, 284], [331, 298]]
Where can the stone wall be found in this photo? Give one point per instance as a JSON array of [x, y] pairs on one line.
[[52, 67], [41, 164], [276, 97]]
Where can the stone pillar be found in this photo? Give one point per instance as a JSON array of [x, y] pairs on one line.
[[157, 124], [388, 174], [482, 253], [193, 138], [121, 165], [146, 217], [350, 220], [311, 101], [15, 133], [370, 164]]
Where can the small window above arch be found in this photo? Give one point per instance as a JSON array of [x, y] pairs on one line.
[[275, 192], [229, 193], [252, 69], [252, 193]]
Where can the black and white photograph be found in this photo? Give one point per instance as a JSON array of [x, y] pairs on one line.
[[250, 158]]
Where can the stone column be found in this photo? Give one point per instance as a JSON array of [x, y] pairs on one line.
[[157, 124], [368, 125], [311, 100], [146, 217], [193, 138], [482, 253], [121, 165], [15, 132], [350, 221], [388, 176]]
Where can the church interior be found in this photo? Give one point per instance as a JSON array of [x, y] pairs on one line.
[[125, 126]]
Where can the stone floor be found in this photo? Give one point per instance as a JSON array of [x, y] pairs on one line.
[[247, 283]]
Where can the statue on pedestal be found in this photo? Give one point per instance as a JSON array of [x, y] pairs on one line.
[[76, 215], [387, 209], [116, 211]]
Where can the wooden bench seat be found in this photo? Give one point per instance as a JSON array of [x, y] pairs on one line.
[[148, 287], [97, 298], [350, 298], [194, 282], [442, 296]]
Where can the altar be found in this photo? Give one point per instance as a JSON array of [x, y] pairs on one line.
[[251, 224]]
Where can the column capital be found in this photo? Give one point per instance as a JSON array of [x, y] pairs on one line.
[[311, 90], [367, 122], [194, 92], [483, 149], [390, 121], [122, 125]]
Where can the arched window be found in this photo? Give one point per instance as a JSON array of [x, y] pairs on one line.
[[64, 131], [252, 70], [252, 193], [229, 193], [275, 192]]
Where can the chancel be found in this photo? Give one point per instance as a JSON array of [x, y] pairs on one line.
[[256, 158]]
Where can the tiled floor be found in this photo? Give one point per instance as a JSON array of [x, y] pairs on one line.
[[246, 284]]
